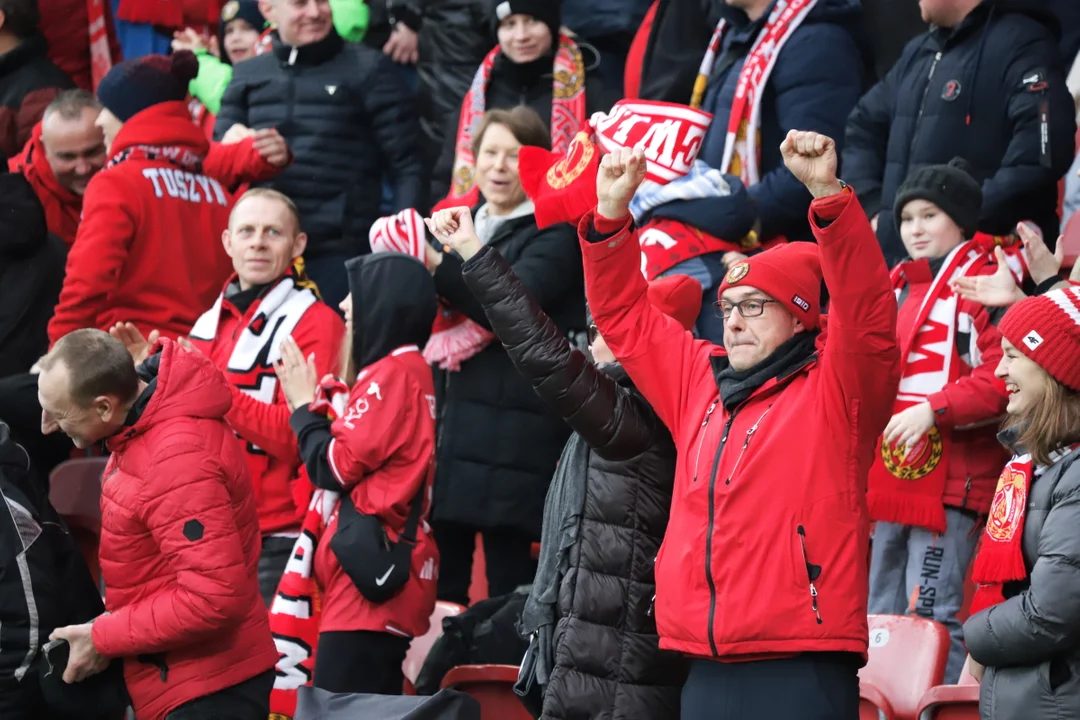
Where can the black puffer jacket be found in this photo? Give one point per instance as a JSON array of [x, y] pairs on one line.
[[497, 442], [607, 661], [974, 91], [349, 121], [1030, 644], [514, 84]]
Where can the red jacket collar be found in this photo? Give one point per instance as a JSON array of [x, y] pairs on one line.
[[35, 166]]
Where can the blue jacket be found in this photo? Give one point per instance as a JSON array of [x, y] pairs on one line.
[[817, 79], [974, 91]]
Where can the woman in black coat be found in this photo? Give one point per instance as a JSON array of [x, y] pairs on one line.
[[497, 442], [607, 509]]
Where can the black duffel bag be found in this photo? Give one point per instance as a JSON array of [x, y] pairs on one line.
[[378, 568]]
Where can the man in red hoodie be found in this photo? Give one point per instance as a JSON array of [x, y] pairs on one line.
[[762, 575], [179, 530]]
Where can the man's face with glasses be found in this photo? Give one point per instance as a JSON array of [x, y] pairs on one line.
[[754, 325]]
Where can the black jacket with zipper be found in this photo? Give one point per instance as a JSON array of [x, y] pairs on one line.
[[513, 84], [497, 442], [976, 91], [349, 121], [607, 659]]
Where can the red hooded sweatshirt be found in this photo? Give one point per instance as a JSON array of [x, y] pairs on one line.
[[180, 543], [233, 165], [148, 249]]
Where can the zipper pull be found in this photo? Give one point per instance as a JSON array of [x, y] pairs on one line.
[[709, 412], [813, 602], [292, 55], [652, 606]]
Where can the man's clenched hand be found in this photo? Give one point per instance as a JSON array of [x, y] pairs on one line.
[[620, 174], [811, 157]]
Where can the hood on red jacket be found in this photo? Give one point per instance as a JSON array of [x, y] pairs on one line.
[[167, 124], [180, 383]]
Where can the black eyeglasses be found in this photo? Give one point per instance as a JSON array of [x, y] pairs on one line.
[[592, 333], [751, 308]]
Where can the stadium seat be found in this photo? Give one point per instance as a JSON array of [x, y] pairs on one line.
[[907, 658], [872, 703], [75, 493], [493, 687], [421, 646], [952, 702]]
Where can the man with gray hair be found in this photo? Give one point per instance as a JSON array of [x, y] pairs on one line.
[[65, 150]]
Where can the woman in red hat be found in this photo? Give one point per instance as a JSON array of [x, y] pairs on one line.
[[1023, 635], [606, 509]]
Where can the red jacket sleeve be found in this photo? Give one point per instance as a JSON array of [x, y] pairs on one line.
[[664, 360], [861, 359], [978, 397], [97, 258], [184, 486], [319, 331], [382, 410], [237, 164]]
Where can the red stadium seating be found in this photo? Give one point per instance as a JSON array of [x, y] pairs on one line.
[[907, 658], [493, 687], [952, 702], [421, 646]]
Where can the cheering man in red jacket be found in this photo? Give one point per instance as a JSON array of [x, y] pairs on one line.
[[179, 532], [762, 576]]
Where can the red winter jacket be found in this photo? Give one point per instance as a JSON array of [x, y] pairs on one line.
[[233, 165], [180, 544], [148, 250], [383, 453], [779, 483], [976, 399], [263, 424]]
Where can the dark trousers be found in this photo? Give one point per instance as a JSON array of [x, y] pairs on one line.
[[275, 556], [506, 556], [360, 661], [328, 272], [249, 700], [811, 686]]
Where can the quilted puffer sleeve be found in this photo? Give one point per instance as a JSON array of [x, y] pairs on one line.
[[186, 507], [615, 423]]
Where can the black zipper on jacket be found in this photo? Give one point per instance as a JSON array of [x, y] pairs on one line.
[[922, 104], [812, 573], [709, 535]]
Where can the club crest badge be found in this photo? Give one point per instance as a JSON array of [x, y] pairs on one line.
[[228, 12], [1008, 505], [919, 462], [737, 272]]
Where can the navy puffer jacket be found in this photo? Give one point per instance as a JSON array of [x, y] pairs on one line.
[[974, 91]]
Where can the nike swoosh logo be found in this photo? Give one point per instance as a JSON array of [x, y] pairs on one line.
[[382, 581]]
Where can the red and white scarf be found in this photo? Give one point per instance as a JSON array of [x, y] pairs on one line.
[[741, 148], [176, 155], [1001, 554], [297, 606], [568, 114], [906, 485], [454, 337], [101, 60]]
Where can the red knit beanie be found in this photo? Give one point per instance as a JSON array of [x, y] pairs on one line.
[[790, 274], [1046, 328], [678, 297]]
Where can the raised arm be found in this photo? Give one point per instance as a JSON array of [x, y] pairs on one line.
[[610, 419]]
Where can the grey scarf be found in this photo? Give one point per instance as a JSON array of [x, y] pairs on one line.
[[735, 386]]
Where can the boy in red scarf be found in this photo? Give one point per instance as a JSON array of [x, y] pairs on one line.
[[933, 473]]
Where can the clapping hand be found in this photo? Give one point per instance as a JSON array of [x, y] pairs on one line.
[[997, 290], [1042, 264], [621, 173], [811, 157], [454, 227], [297, 375]]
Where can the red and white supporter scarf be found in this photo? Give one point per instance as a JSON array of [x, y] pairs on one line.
[[906, 484], [182, 157], [568, 114], [454, 337], [101, 60], [1001, 556], [741, 146], [297, 606]]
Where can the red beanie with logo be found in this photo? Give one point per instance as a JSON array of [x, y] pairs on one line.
[[1046, 328], [790, 274], [678, 297]]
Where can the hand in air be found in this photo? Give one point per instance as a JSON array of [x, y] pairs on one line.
[[137, 345], [621, 173], [997, 290], [811, 157], [1042, 264], [297, 375], [454, 227]]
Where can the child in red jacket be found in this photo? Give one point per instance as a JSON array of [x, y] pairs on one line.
[[938, 462]]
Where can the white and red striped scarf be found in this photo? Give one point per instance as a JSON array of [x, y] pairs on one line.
[[454, 337], [568, 115], [741, 148]]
